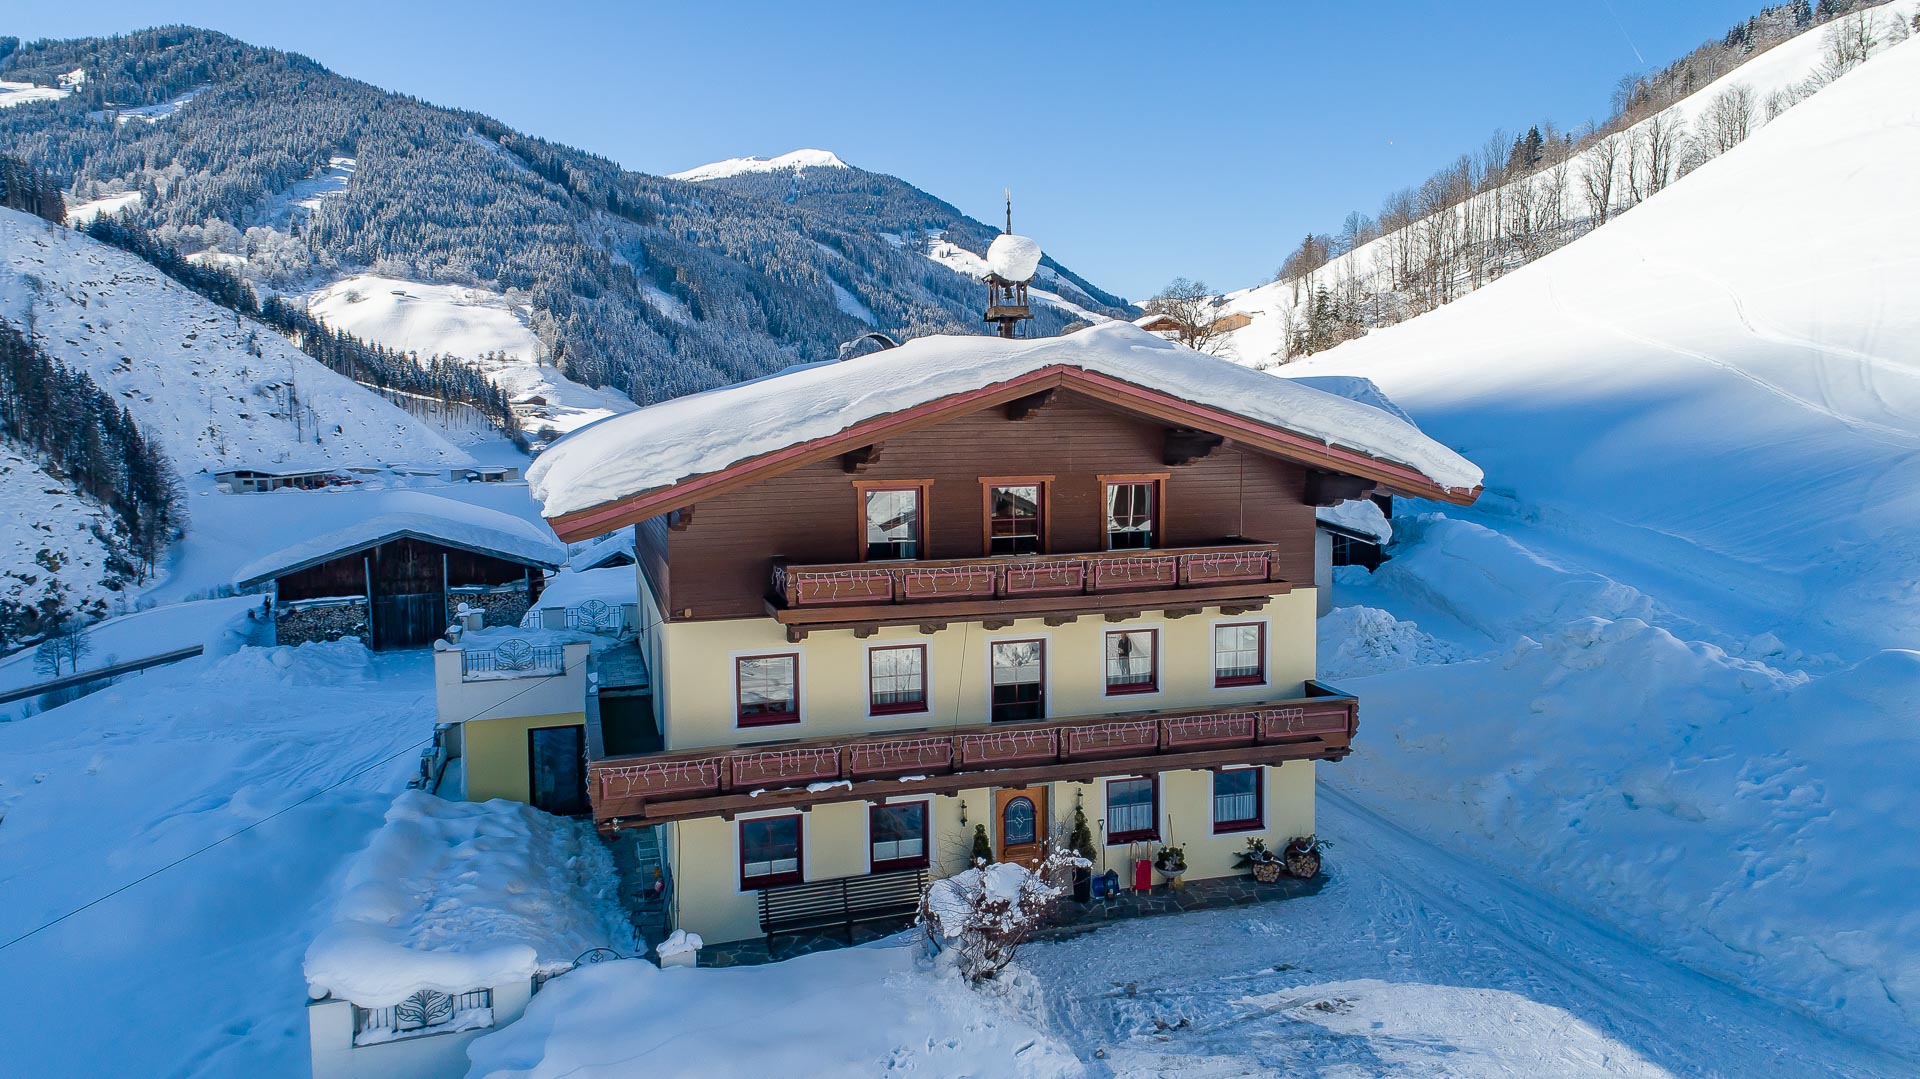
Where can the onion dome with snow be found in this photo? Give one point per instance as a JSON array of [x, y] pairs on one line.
[[1013, 258]]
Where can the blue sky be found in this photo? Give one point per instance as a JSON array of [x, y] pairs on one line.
[[1141, 141]]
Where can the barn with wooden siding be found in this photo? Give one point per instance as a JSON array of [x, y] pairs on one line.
[[396, 577]]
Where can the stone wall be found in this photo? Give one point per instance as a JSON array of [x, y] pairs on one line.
[[298, 625]]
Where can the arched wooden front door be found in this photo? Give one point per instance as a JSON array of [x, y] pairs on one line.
[[1020, 823]]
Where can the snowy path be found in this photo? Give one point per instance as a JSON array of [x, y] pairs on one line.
[[1412, 961]]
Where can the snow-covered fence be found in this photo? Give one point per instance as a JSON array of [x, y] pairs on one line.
[[593, 616], [422, 1037], [512, 659]]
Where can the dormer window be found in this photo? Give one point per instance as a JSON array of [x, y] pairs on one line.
[[893, 518]]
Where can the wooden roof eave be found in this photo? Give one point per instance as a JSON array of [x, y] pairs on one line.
[[1126, 396], [403, 533]]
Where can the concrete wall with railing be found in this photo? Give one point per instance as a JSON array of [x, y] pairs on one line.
[[426, 1053], [503, 694]]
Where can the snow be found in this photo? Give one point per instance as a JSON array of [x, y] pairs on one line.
[[23, 93], [735, 166], [613, 585], [455, 320], [429, 517], [220, 626], [1682, 621], [196, 970], [454, 896], [49, 547], [293, 205], [849, 304], [182, 364], [703, 433], [1360, 515], [81, 213], [1013, 257], [859, 1011], [962, 261], [151, 114], [1786, 69], [679, 942]]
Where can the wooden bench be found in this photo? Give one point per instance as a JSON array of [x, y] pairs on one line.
[[842, 902]]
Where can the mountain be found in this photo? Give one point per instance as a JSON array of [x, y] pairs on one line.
[[297, 178], [735, 166], [1682, 617]]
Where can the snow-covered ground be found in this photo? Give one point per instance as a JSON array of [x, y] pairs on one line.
[[470, 323], [196, 971], [47, 542], [79, 214], [218, 625], [22, 93], [1683, 616], [734, 166]]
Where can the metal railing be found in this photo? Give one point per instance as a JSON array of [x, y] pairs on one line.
[[513, 658], [425, 1012]]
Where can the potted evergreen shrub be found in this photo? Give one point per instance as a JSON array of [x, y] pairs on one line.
[[1080, 841], [982, 852]]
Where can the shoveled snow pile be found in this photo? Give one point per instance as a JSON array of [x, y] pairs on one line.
[[1013, 257], [212, 388], [1357, 641], [857, 1011], [734, 166], [455, 896], [422, 516], [706, 432]]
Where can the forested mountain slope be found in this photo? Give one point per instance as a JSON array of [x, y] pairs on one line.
[[298, 176]]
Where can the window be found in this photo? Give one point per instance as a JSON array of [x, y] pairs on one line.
[[1130, 514], [893, 522], [770, 852], [1236, 800], [1019, 680], [1240, 654], [1014, 518], [897, 680], [1019, 822], [769, 689], [897, 836], [1132, 810], [1131, 666]]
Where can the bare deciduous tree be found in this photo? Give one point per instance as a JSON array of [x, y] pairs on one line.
[[1197, 311], [1603, 165], [1728, 120]]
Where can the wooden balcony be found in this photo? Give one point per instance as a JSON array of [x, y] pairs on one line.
[[724, 780], [862, 594]]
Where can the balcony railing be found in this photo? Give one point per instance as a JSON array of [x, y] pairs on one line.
[[692, 783], [1245, 568], [512, 659]]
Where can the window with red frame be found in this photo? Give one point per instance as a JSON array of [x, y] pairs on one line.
[[1133, 664], [767, 689], [897, 680], [897, 836], [770, 852], [1236, 800], [1240, 654], [1133, 810]]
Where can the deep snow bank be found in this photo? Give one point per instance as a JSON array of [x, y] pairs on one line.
[[859, 1011], [453, 896]]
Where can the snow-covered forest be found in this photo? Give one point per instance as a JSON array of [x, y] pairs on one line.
[[297, 176]]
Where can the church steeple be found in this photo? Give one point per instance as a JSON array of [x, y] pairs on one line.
[[1011, 262]]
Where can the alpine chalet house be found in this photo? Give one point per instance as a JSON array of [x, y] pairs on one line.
[[959, 588]]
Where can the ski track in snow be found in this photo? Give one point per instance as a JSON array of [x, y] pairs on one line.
[[1398, 913]]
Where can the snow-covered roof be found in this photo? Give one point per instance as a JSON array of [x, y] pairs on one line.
[[675, 441], [421, 516], [1359, 516], [454, 896], [1013, 257], [1353, 388], [599, 551]]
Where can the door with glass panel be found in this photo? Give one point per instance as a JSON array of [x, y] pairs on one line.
[[1020, 818], [1019, 671]]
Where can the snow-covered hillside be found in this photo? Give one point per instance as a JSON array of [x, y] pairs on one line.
[[1692, 577], [24, 93], [734, 166], [1554, 205], [48, 546], [217, 390], [484, 328]]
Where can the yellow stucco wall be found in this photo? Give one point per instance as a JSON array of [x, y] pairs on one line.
[[704, 853], [695, 672], [495, 751]]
